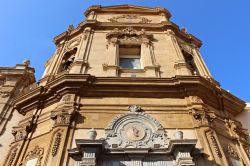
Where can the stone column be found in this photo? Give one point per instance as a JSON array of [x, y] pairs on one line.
[[81, 62], [111, 67], [146, 58], [200, 63]]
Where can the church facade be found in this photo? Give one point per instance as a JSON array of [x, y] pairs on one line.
[[127, 87]]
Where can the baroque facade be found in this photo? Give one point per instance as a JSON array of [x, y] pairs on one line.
[[127, 87]]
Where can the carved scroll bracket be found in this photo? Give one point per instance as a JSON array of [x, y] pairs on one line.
[[236, 131], [63, 117], [21, 132], [202, 117]]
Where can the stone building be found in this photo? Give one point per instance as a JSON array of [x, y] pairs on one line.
[[128, 87], [13, 81]]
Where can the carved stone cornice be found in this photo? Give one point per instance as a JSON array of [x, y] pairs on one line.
[[178, 86]]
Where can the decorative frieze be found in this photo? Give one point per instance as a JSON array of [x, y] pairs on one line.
[[130, 18]]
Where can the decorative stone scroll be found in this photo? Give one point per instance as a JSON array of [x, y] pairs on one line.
[[36, 153], [202, 117], [235, 131], [62, 118], [130, 18], [135, 129], [129, 35], [22, 131], [185, 46]]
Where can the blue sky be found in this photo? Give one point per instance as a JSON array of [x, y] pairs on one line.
[[27, 29]]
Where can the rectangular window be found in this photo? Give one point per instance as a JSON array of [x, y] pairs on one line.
[[130, 56]]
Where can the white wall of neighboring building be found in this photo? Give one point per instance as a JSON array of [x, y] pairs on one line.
[[244, 117]]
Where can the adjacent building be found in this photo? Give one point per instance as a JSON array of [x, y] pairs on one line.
[[127, 87]]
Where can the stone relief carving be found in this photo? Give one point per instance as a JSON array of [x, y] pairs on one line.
[[232, 152], [129, 34], [134, 108], [12, 156], [135, 130], [56, 144], [130, 18], [214, 143], [22, 131], [73, 43], [5, 92], [235, 131], [37, 152], [202, 117], [62, 118], [196, 99]]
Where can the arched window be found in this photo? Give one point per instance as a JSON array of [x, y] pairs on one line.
[[68, 58], [190, 61]]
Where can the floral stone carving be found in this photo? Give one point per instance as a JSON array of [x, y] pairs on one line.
[[129, 34], [37, 152], [135, 130]]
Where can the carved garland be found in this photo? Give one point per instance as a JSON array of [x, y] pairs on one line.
[[56, 144], [130, 18]]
